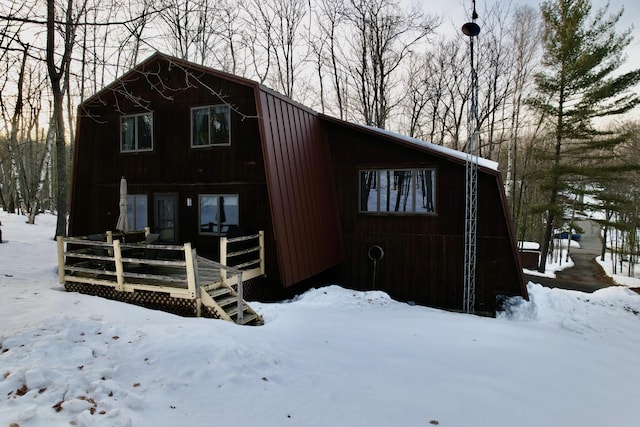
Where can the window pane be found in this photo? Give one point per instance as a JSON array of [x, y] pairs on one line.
[[228, 212], [131, 212], [141, 212], [208, 214], [402, 191], [386, 190], [368, 192], [200, 131], [137, 211], [127, 140], [220, 120], [425, 191], [397, 191], [145, 132]]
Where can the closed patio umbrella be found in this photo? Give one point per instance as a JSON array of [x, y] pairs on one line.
[[123, 223]]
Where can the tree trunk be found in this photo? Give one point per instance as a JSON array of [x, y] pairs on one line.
[[58, 118]]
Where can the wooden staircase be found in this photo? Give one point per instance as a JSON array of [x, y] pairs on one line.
[[241, 258], [222, 302]]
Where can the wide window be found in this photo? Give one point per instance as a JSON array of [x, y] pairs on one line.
[[137, 211], [398, 191], [218, 212], [210, 126], [136, 132]]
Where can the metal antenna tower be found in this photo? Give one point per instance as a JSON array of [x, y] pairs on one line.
[[471, 29]]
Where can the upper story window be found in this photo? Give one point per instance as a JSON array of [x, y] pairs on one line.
[[218, 212], [210, 125], [398, 191], [136, 132]]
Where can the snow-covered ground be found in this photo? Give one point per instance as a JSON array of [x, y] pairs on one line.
[[332, 357]]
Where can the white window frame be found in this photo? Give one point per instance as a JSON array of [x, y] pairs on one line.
[[380, 206], [136, 132], [217, 230], [210, 143]]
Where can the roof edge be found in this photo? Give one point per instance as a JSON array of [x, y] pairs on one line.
[[156, 56], [486, 165]]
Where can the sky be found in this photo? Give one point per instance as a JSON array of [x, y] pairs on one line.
[[457, 12], [460, 11], [330, 357]]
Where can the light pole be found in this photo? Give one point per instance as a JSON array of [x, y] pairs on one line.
[[471, 29]]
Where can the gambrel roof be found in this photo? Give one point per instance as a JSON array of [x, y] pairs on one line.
[[299, 170]]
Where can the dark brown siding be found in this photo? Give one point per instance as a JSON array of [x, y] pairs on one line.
[[424, 254], [301, 189], [297, 177], [173, 167]]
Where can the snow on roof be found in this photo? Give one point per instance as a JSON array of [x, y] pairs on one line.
[[449, 152]]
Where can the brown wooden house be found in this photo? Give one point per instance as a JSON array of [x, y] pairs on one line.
[[208, 154]]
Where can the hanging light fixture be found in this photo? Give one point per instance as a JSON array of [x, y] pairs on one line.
[[472, 29]]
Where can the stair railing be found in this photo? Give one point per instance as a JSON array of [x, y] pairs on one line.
[[229, 256]]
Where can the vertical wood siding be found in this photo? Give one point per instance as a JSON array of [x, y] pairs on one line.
[[173, 166], [424, 254], [297, 174]]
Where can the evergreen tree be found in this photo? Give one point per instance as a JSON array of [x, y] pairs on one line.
[[579, 83]]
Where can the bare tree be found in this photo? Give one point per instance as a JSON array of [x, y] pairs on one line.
[[17, 167], [439, 74], [383, 35], [12, 58], [276, 43], [431, 98], [457, 91], [228, 38], [138, 13], [185, 23], [495, 78], [57, 75], [526, 33], [330, 16]]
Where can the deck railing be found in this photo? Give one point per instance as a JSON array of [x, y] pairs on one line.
[[176, 270], [244, 252], [129, 266]]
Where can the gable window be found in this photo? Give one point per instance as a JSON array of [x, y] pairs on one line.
[[136, 132], [397, 191], [218, 212], [210, 126], [137, 211]]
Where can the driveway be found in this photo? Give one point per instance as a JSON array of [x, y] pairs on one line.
[[586, 275]]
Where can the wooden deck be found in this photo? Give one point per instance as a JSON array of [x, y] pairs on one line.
[[169, 277]]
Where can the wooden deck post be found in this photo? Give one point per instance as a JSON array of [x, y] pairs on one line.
[[223, 258], [109, 237], [191, 266], [60, 259], [240, 315], [194, 255], [261, 243], [117, 254]]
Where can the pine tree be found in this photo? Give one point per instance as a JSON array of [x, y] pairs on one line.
[[579, 83]]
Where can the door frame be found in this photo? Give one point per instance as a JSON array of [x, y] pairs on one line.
[[176, 220]]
